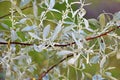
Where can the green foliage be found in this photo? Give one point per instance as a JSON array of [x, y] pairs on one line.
[[36, 36]]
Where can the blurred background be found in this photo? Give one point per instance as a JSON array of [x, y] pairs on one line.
[[100, 6], [93, 10]]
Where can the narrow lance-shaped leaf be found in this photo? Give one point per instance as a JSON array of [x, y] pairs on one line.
[[64, 52], [56, 31], [97, 77], [95, 59], [28, 28], [102, 62], [35, 9], [102, 45], [34, 35], [79, 44], [73, 60], [52, 3], [24, 2], [4, 26], [14, 35], [87, 25], [102, 20], [46, 31], [39, 48]]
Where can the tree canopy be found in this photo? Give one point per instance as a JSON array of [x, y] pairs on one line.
[[52, 40]]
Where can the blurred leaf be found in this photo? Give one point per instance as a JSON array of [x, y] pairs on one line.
[[28, 28], [46, 31], [46, 77], [102, 20], [33, 35], [73, 60], [108, 73], [79, 44], [102, 62], [95, 59], [5, 26], [94, 24], [116, 18], [64, 52], [35, 9], [2, 40], [87, 25], [51, 5], [39, 48], [24, 2], [14, 35], [23, 20], [56, 31], [102, 45], [97, 77]]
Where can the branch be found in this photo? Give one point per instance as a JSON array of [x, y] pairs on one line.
[[14, 12], [44, 73], [63, 45], [70, 55]]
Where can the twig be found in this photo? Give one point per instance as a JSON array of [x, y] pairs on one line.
[[70, 55], [44, 73], [14, 12]]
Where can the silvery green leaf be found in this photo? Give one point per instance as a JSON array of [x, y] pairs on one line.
[[97, 77], [55, 10], [34, 35], [94, 22], [82, 12], [102, 45], [4, 25], [116, 16], [102, 20], [42, 14], [23, 20], [64, 52], [46, 3], [95, 59], [87, 25], [52, 3], [39, 48], [56, 31], [31, 68], [24, 2], [2, 40], [117, 55], [15, 68], [73, 60], [19, 57], [2, 34], [66, 29], [35, 9], [29, 28], [79, 44], [46, 31], [14, 35], [82, 32], [110, 68], [46, 77], [28, 60], [102, 62], [68, 22], [66, 1], [108, 73]]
